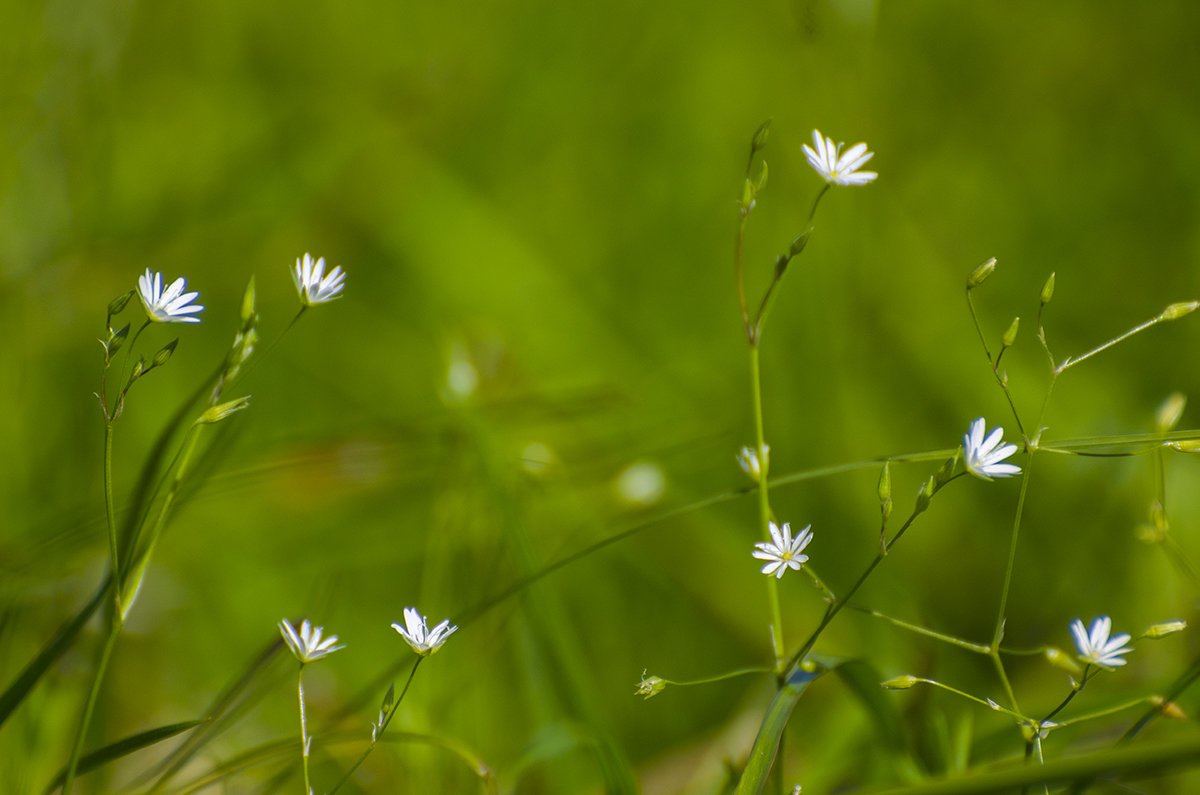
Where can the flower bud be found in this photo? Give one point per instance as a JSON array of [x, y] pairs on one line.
[[799, 243], [900, 682], [1185, 445], [885, 482], [747, 201], [760, 136], [980, 274], [1176, 311], [164, 353], [217, 413], [924, 496], [1060, 659], [1162, 630], [1010, 336], [248, 303], [1170, 411], [117, 305], [1047, 290]]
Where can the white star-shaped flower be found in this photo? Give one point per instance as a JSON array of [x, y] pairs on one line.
[[983, 456], [747, 459], [784, 553], [170, 305], [308, 645], [424, 641], [838, 168], [313, 285], [1097, 647]]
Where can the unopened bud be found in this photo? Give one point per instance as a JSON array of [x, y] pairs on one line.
[[117, 305], [900, 682], [747, 459], [1170, 412], [1047, 290], [1170, 709], [116, 339], [1162, 630], [164, 353], [1010, 336], [1176, 311], [747, 201], [217, 413], [248, 302], [799, 243], [980, 274], [760, 136], [924, 496], [1060, 659], [1185, 445]]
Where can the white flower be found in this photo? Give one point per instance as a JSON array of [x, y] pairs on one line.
[[747, 459], [983, 456], [1097, 647], [311, 287], [424, 641], [784, 553], [840, 169], [170, 305], [308, 645]]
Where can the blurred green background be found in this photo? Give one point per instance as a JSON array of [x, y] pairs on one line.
[[542, 195]]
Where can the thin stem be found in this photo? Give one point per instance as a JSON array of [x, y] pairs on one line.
[[998, 631], [93, 695], [110, 510], [1071, 362], [379, 728], [764, 506], [741, 287], [994, 365], [303, 729], [817, 201]]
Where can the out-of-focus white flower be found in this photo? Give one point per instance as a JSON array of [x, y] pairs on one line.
[[1096, 646], [308, 645], [424, 641], [983, 456], [642, 483], [313, 285], [747, 459], [783, 551], [171, 305], [838, 168]]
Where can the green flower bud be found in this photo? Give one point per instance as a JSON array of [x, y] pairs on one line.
[[164, 353], [1170, 412], [1047, 290], [900, 682], [799, 243], [1162, 630], [885, 482], [1060, 659], [1176, 311], [217, 413], [117, 305], [760, 136], [1010, 336], [980, 274], [747, 195], [925, 495], [248, 302]]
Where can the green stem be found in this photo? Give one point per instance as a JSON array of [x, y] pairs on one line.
[[110, 510], [90, 706], [303, 729], [764, 507], [378, 733], [998, 631]]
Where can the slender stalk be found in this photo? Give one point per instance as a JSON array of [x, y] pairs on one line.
[[110, 510], [998, 631], [377, 733], [764, 507], [90, 705], [303, 729]]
